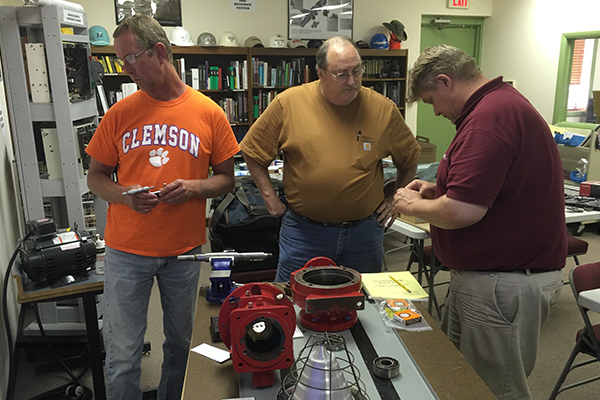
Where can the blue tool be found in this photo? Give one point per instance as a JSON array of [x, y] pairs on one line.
[[221, 283]]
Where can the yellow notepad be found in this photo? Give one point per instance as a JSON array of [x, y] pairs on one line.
[[392, 285]]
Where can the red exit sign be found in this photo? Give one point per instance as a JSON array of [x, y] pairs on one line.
[[457, 4]]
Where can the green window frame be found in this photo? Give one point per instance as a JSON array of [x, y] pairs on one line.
[[565, 62]]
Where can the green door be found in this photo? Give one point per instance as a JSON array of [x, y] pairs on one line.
[[464, 33]]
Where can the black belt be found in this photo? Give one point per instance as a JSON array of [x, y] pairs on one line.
[[525, 271], [345, 224]]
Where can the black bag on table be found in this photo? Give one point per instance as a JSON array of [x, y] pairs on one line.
[[242, 223]]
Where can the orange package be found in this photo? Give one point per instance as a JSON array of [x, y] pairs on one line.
[[407, 317]]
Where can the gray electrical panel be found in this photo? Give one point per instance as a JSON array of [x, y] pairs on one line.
[[53, 112]]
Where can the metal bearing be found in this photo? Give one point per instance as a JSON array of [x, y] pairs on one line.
[[386, 367]]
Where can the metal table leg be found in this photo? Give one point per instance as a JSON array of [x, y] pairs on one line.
[[93, 333]]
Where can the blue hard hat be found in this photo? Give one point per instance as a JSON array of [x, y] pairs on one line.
[[379, 41], [98, 36]]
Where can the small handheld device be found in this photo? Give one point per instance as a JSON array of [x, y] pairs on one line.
[[131, 192]]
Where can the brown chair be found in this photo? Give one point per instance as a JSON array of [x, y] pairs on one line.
[[576, 247], [582, 277]]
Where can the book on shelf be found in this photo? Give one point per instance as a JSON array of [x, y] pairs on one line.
[[240, 132], [113, 97], [243, 107], [101, 61], [102, 101], [109, 65], [182, 68], [245, 75], [195, 78], [128, 88]]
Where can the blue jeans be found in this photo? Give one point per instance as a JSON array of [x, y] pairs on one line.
[[359, 247], [128, 283]]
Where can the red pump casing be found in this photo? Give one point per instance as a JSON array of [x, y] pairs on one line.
[[257, 323], [328, 295]]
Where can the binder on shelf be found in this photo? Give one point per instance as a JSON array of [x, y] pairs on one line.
[[102, 101], [195, 78], [109, 65], [245, 75], [182, 68]]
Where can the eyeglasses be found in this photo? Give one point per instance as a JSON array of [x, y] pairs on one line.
[[343, 76], [131, 58]]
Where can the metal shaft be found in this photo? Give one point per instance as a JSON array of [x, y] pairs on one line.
[[250, 256]]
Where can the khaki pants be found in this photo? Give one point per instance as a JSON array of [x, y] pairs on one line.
[[494, 319]]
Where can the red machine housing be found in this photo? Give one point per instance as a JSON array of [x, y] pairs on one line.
[[257, 323], [328, 295]]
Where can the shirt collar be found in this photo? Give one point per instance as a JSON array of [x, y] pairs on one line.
[[476, 97]]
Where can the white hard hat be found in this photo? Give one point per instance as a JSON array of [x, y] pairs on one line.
[[294, 43], [181, 37], [228, 39], [277, 41]]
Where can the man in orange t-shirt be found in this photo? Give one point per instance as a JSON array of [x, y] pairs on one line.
[[166, 135]]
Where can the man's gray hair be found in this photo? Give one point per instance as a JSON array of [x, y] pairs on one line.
[[435, 60], [335, 42], [147, 31]]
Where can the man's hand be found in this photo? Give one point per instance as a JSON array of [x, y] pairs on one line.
[[425, 189], [141, 202], [386, 215], [276, 207], [404, 197], [442, 212], [176, 192]]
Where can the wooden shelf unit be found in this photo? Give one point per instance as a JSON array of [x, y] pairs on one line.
[[393, 87]]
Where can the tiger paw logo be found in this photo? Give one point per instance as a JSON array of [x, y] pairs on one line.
[[158, 158]]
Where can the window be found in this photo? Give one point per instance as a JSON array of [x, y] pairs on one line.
[[581, 76], [578, 76]]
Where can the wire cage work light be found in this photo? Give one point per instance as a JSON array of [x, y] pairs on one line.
[[323, 370]]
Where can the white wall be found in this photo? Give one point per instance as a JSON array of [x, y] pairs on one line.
[[522, 42], [270, 17]]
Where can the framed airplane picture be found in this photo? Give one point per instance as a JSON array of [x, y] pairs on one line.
[[319, 19], [166, 12]]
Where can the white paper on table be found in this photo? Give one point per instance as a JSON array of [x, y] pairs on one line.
[[212, 352], [297, 333]]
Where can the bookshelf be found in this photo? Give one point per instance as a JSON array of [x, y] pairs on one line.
[[245, 80], [385, 72]]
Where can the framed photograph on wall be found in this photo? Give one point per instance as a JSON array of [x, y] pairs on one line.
[[319, 19], [166, 12]]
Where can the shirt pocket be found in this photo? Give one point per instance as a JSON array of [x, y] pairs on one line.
[[366, 152]]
